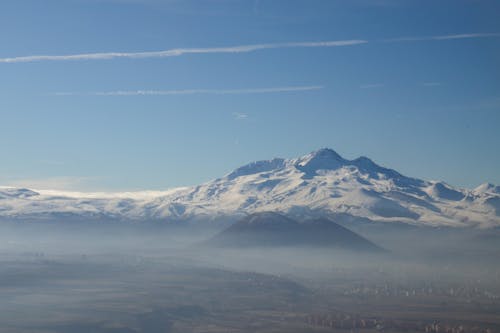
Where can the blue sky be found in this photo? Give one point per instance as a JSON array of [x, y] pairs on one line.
[[415, 85]]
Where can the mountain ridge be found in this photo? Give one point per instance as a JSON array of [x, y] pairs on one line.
[[319, 184]]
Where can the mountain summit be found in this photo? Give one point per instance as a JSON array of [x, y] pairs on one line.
[[320, 184], [323, 159]]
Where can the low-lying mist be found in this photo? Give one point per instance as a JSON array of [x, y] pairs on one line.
[[125, 277]]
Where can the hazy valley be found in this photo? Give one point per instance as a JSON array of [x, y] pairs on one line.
[[263, 249]]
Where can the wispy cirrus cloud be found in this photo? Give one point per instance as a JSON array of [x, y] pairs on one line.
[[180, 51], [442, 37], [240, 116], [192, 91], [232, 49], [431, 84]]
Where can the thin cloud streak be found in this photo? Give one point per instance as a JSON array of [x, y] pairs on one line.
[[230, 49], [442, 37], [180, 52], [193, 91], [432, 84], [240, 116]]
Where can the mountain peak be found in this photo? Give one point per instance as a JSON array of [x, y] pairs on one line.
[[14, 192], [363, 160], [322, 159], [326, 153], [487, 187]]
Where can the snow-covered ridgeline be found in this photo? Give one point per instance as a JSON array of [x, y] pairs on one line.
[[321, 182]]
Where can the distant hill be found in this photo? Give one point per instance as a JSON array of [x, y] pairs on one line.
[[269, 229]]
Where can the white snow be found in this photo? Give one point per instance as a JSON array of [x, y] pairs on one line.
[[321, 182]]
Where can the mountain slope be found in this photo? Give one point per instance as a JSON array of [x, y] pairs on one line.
[[318, 184], [275, 230]]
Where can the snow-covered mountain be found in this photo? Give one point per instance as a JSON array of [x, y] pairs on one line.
[[321, 183]]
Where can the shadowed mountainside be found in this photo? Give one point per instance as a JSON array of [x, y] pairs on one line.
[[275, 230]]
